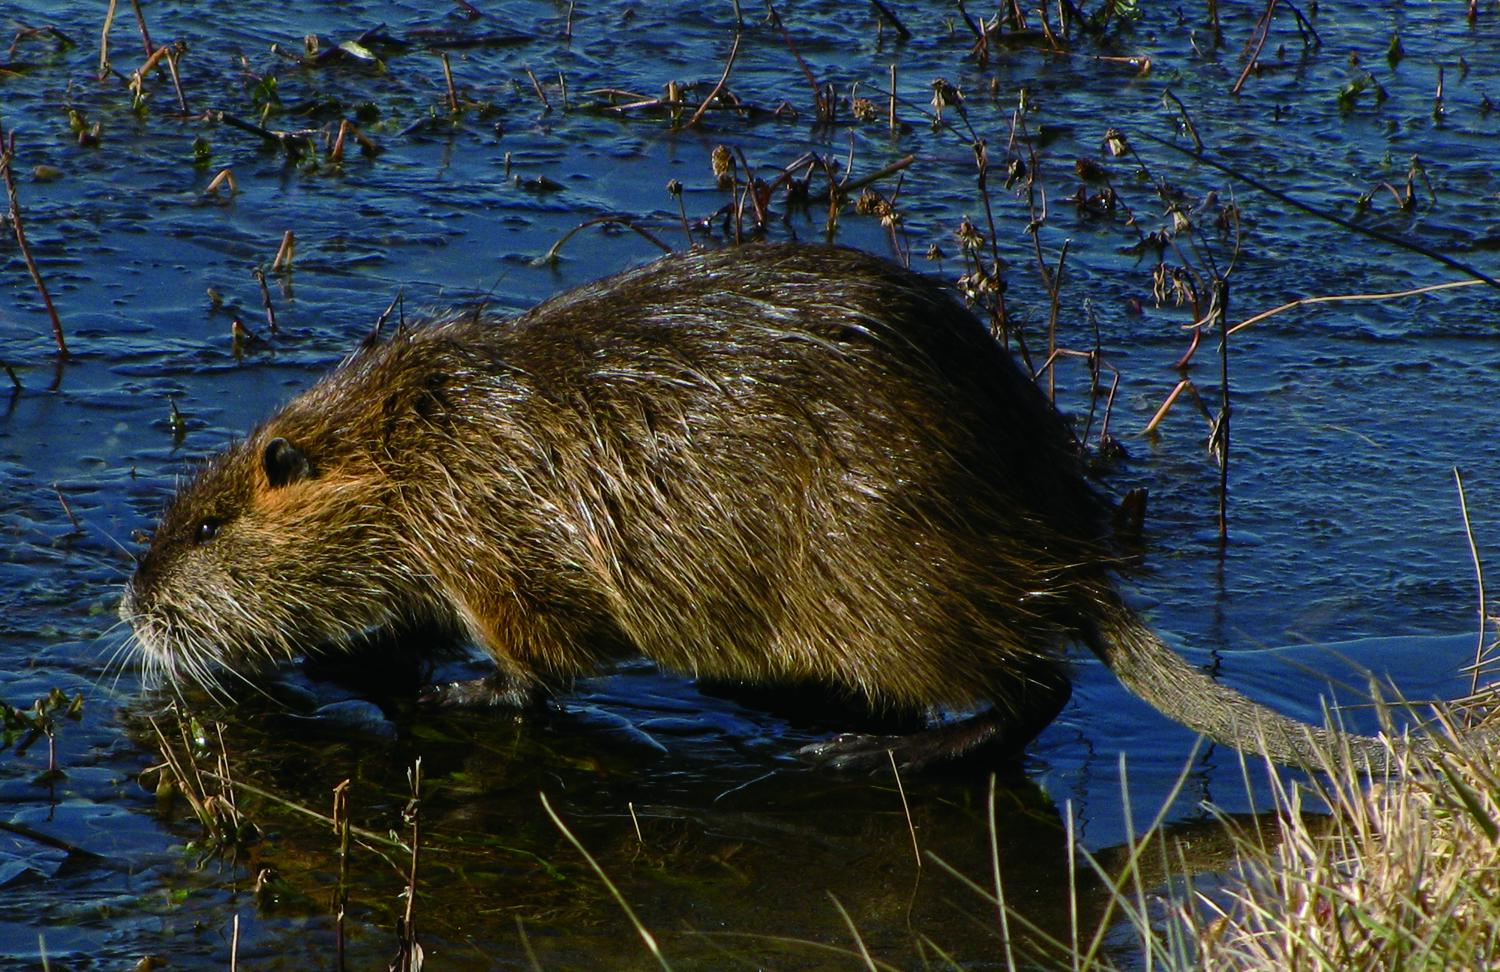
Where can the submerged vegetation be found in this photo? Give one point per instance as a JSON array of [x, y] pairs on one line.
[[307, 169]]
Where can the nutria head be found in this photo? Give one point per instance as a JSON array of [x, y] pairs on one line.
[[282, 543]]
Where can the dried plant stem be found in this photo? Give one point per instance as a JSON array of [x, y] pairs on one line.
[[734, 51], [341, 892], [537, 87], [140, 20], [1053, 281], [911, 828], [1463, 506], [286, 252], [265, 299], [173, 53], [891, 111], [1337, 298], [224, 178], [1220, 435], [410, 958], [336, 153], [609, 885], [452, 91], [806, 71], [551, 255], [845, 189], [109, 20], [1253, 46], [7, 159], [69, 510]]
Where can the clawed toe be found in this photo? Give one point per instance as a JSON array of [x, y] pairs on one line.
[[477, 693]]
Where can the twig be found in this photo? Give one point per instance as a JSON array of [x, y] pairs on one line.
[[1187, 119], [173, 53], [410, 956], [109, 20], [551, 255], [537, 86], [448, 76], [265, 299], [140, 20], [806, 71], [224, 178], [1166, 406], [341, 892], [1220, 435], [845, 189], [7, 158], [285, 252], [69, 510], [1258, 39], [1338, 298], [891, 112], [734, 51]]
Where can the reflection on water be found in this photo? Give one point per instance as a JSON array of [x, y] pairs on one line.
[[1347, 421]]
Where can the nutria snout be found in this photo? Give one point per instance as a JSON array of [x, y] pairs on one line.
[[776, 464]]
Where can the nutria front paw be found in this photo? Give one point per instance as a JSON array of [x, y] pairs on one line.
[[492, 690]]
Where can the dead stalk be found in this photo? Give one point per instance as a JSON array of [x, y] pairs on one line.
[[140, 20], [286, 252], [537, 87], [1463, 506], [109, 20], [224, 178], [7, 158], [448, 77], [734, 51], [1219, 438], [265, 299], [341, 892]]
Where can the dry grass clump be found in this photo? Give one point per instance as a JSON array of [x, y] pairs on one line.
[[1405, 874]]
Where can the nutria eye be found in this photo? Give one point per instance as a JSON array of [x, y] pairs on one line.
[[206, 531]]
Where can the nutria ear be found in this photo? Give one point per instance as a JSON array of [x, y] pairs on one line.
[[284, 463]]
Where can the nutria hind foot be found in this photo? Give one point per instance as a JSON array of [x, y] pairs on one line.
[[979, 737], [994, 737]]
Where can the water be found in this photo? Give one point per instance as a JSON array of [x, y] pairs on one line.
[[1348, 544]]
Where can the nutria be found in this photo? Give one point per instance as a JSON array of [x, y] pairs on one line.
[[776, 464]]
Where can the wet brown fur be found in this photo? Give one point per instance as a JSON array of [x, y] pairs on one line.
[[773, 464]]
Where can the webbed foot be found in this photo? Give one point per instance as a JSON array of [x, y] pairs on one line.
[[982, 735]]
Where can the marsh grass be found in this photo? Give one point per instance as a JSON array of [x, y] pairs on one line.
[[1403, 874]]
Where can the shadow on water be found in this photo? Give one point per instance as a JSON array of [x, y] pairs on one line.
[[731, 851]]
